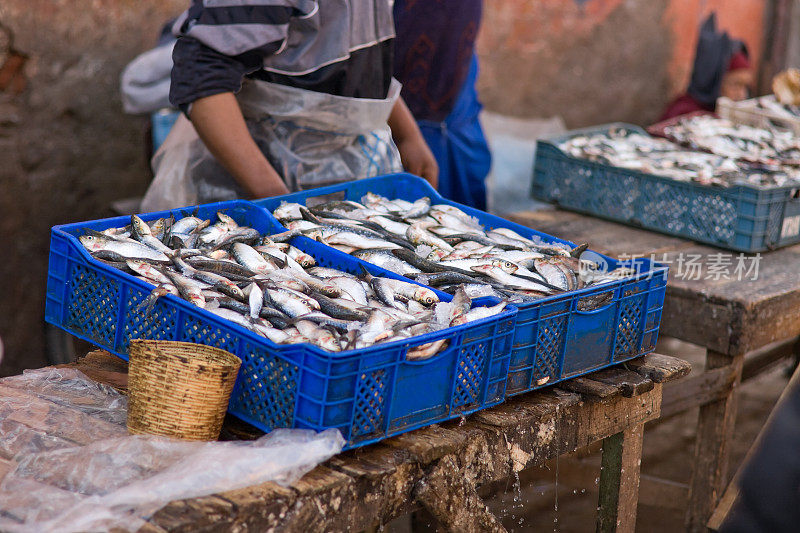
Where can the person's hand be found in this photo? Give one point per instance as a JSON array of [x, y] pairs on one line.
[[418, 159], [270, 185]]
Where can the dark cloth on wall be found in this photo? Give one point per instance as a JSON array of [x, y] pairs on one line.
[[711, 61], [433, 52], [684, 105], [460, 147]]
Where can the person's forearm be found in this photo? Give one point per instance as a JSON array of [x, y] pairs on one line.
[[415, 154], [402, 123], [220, 124]]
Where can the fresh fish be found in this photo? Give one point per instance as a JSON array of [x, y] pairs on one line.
[[248, 257], [255, 299], [419, 208], [224, 268], [507, 279], [385, 259], [128, 250], [288, 211], [479, 313], [188, 288], [350, 288], [288, 302], [416, 234], [426, 351]]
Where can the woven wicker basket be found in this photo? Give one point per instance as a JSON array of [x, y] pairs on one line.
[[179, 389]]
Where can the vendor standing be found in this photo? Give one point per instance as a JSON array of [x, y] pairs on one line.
[[721, 68], [283, 95], [436, 62]]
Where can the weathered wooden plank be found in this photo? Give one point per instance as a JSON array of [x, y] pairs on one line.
[[710, 324], [103, 367], [374, 484], [590, 387], [660, 368], [711, 385], [324, 503], [209, 513], [384, 480], [259, 507], [619, 480], [51, 418], [565, 429], [606, 237], [757, 362], [428, 444], [453, 501], [629, 383], [714, 434]]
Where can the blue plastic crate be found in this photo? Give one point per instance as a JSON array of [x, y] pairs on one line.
[[367, 394], [554, 338], [742, 218]]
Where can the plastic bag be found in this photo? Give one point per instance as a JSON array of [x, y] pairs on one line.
[[74, 468], [310, 138], [144, 83], [172, 186]]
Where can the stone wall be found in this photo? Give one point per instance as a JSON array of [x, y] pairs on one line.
[[597, 61], [66, 148]]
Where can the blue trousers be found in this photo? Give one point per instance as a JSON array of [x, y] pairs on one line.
[[460, 147]]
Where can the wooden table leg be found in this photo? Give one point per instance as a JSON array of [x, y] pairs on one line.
[[714, 434], [619, 481]]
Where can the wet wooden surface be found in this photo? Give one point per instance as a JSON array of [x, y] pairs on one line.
[[704, 306], [710, 303], [441, 467]]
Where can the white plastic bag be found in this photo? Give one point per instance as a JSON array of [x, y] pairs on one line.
[[172, 186], [75, 468], [144, 83]]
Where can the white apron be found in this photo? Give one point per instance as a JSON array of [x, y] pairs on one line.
[[311, 139]]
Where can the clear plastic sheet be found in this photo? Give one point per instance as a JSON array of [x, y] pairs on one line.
[[71, 466]]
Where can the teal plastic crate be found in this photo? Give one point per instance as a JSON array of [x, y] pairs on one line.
[[742, 218]]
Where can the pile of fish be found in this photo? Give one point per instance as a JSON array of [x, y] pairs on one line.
[[712, 153], [273, 289], [771, 104], [442, 246], [766, 156], [629, 149]]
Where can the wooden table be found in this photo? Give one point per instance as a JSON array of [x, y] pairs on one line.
[[440, 468], [727, 316]]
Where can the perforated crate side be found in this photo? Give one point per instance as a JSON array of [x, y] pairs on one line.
[[266, 388], [740, 218]]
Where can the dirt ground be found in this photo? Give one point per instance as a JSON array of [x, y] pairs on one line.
[[547, 503]]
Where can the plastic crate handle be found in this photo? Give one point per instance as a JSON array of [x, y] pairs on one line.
[[453, 344], [304, 196], [614, 298]]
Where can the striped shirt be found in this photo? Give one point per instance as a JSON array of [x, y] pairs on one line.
[[339, 47]]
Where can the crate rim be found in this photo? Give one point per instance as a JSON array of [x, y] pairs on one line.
[[63, 230]]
